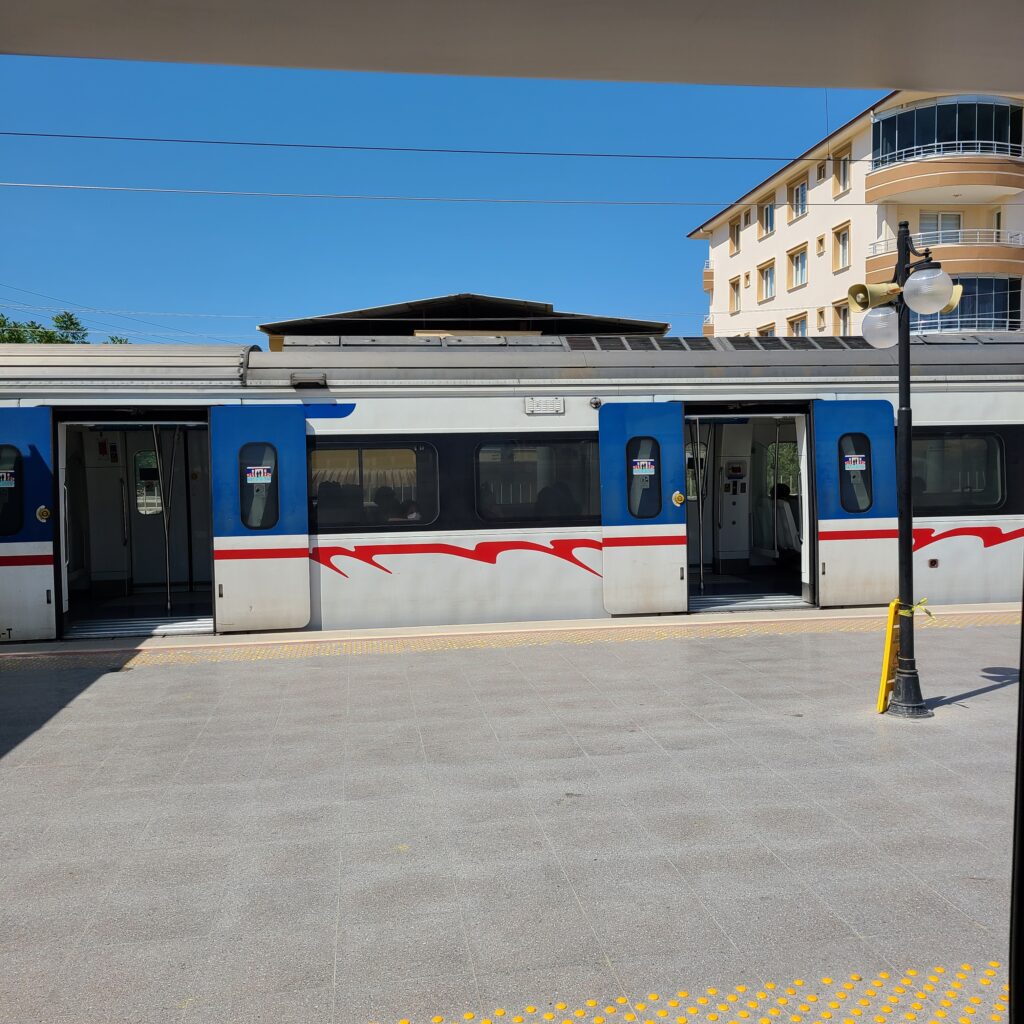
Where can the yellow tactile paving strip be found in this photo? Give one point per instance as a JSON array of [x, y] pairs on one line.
[[290, 649], [964, 995]]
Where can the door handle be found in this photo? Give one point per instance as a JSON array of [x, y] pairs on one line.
[[64, 529], [124, 514]]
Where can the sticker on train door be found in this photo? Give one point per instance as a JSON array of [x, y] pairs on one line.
[[259, 474], [855, 463], [7, 478], [644, 467]]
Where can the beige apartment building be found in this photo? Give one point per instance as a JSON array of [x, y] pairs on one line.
[[782, 257]]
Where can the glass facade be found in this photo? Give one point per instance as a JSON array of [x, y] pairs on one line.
[[988, 304], [950, 125]]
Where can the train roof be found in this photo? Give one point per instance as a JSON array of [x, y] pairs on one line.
[[394, 361]]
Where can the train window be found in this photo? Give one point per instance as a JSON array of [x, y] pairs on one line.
[[147, 484], [643, 477], [538, 481], [957, 472], [356, 488], [12, 513], [855, 472], [258, 485]]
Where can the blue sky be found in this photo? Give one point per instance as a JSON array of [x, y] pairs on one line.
[[270, 259]]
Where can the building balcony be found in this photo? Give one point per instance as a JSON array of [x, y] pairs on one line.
[[964, 147], [977, 178], [708, 329], [973, 251], [709, 275]]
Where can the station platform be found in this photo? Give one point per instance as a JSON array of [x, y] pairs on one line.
[[678, 818]]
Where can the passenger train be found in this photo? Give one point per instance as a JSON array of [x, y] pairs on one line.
[[366, 481]]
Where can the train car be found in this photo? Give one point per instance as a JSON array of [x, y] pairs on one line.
[[406, 480]]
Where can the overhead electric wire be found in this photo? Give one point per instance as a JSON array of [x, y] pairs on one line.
[[65, 303], [367, 197], [437, 150]]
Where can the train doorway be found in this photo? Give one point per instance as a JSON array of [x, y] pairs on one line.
[[748, 512], [136, 533]]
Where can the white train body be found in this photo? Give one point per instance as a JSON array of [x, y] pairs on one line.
[[377, 485]]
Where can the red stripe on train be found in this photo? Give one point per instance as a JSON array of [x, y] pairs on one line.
[[990, 536], [858, 534], [222, 554], [26, 559], [640, 542]]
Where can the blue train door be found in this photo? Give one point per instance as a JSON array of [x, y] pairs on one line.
[[643, 507], [855, 473], [27, 607], [260, 517]]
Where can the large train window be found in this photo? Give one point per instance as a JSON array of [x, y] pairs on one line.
[[12, 514], [539, 481], [957, 472], [258, 485], [643, 477], [354, 487], [855, 472]]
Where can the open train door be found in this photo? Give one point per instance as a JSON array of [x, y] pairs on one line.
[[260, 517], [643, 507], [27, 607], [855, 475]]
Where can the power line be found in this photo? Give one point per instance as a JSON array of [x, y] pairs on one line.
[[484, 200], [439, 150], [91, 309], [328, 319]]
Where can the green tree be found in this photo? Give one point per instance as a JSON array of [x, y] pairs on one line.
[[117, 339], [70, 329], [67, 329]]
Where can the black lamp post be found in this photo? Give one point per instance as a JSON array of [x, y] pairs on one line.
[[926, 288]]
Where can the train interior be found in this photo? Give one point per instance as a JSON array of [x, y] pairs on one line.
[[136, 529], [747, 512]]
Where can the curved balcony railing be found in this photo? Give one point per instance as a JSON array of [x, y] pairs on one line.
[[950, 323], [975, 147], [970, 236], [709, 264]]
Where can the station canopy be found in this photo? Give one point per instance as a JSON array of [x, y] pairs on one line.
[[466, 313], [941, 45]]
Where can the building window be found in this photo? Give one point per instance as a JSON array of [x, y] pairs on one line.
[[798, 267], [820, 245], [734, 295], [841, 318], [948, 125], [938, 227], [997, 220], [855, 472], [766, 282], [746, 218], [643, 477], [798, 326], [734, 236], [766, 331], [821, 319], [957, 473], [356, 488], [147, 483], [820, 175], [539, 481], [987, 304], [258, 485], [841, 172], [766, 217], [797, 199], [12, 512], [841, 247], [746, 279]]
